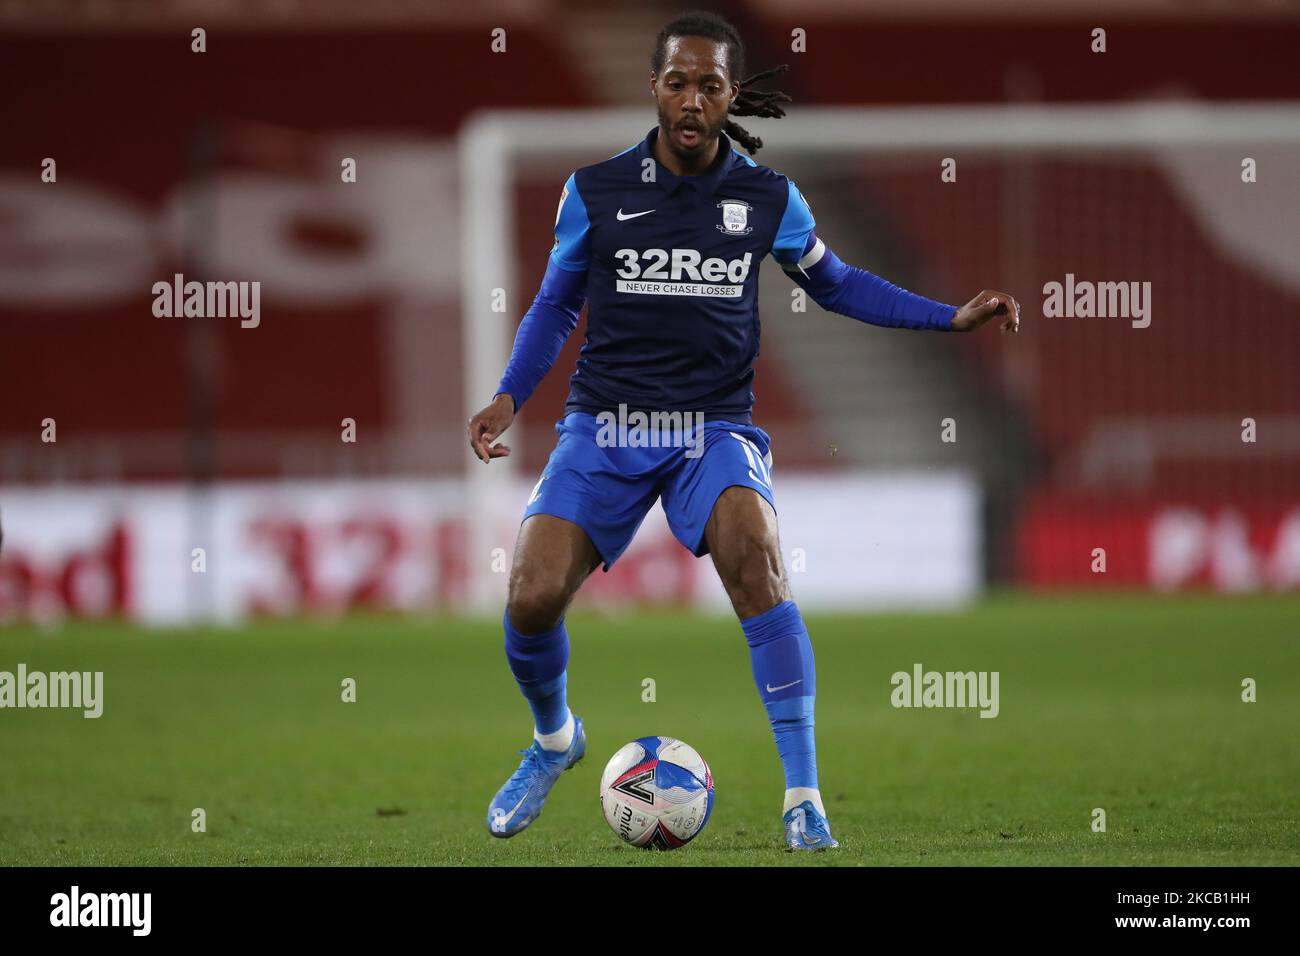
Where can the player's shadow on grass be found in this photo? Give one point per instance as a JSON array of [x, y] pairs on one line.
[[731, 843]]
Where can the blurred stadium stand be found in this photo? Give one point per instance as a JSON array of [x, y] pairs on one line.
[[169, 162]]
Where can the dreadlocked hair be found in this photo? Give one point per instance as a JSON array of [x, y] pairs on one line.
[[748, 102]]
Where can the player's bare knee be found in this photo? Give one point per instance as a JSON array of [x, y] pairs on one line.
[[535, 604], [755, 580]]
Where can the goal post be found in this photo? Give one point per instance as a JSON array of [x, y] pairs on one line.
[[494, 144]]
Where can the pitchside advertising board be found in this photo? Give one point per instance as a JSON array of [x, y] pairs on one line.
[[1206, 544], [169, 554]]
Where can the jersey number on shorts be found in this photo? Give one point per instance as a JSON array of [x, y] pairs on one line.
[[756, 460]]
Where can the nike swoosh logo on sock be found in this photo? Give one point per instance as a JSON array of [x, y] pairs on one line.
[[773, 690]]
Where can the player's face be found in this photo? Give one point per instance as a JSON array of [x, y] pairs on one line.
[[693, 91]]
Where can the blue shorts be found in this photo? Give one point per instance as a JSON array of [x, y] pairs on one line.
[[607, 488]]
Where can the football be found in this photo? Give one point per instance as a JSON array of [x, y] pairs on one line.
[[657, 793]]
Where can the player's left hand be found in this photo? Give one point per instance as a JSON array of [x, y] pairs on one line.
[[985, 306]]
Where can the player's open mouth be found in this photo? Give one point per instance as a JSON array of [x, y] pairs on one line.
[[689, 135]]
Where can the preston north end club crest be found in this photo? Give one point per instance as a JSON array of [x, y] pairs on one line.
[[735, 217]]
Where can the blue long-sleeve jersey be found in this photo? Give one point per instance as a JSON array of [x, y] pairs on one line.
[[668, 266]]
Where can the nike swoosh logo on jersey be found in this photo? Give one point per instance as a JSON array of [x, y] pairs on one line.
[[632, 215], [773, 690]]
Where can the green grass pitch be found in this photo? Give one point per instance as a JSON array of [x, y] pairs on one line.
[[1132, 705]]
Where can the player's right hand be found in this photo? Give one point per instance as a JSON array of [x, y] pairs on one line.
[[487, 426], [987, 305]]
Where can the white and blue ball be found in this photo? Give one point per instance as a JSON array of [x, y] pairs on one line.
[[657, 793]]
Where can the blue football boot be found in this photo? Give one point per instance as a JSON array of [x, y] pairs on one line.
[[519, 801], [806, 829]]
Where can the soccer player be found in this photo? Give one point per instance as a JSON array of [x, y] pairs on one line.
[[664, 241]]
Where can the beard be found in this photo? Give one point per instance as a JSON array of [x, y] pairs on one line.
[[708, 131]]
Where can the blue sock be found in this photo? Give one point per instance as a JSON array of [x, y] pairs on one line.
[[539, 663], [782, 658]]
